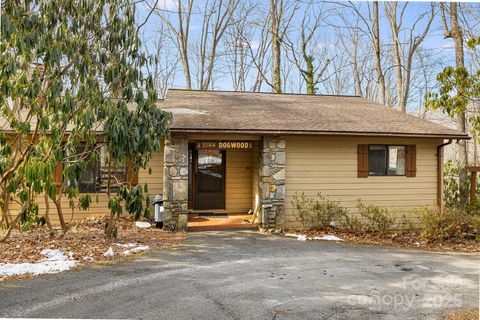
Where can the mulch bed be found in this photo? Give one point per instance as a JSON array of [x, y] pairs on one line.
[[85, 239], [408, 240]]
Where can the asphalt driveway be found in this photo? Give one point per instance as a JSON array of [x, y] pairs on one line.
[[247, 275]]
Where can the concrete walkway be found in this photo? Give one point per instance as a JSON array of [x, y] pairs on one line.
[[247, 275]]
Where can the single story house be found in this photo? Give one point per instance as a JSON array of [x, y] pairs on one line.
[[239, 151], [234, 152]]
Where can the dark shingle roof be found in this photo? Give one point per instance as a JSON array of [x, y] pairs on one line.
[[268, 113]]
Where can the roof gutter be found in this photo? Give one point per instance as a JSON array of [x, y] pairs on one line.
[[321, 133], [440, 173]]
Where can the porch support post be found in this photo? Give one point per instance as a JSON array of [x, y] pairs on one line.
[[473, 183], [473, 187], [272, 179], [175, 183]]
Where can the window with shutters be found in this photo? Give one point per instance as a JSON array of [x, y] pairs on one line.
[[386, 160]]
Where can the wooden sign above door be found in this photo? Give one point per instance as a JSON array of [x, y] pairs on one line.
[[224, 145]]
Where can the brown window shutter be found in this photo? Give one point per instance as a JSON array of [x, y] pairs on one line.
[[58, 174], [411, 160], [362, 160], [132, 175]]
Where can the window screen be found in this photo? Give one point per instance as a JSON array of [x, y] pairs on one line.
[[377, 160], [386, 160]]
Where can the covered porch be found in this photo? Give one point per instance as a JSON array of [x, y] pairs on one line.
[[223, 182]]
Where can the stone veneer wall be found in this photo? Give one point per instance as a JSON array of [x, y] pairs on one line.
[[175, 183], [272, 179]]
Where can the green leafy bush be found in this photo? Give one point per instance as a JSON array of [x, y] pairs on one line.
[[405, 225], [353, 224], [474, 207], [452, 191], [449, 223], [30, 218], [318, 213], [378, 219]]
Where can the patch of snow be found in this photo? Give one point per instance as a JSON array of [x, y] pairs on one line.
[[54, 262], [301, 237], [109, 252], [291, 235], [135, 250], [328, 238], [141, 224], [126, 245]]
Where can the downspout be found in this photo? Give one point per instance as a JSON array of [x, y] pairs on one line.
[[440, 174]]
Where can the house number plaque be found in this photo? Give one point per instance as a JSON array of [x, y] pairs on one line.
[[225, 145]]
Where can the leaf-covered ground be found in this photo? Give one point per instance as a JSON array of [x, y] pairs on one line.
[[407, 240], [85, 240], [465, 314]]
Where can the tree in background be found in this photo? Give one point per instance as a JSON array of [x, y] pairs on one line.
[[459, 94], [307, 50], [71, 76], [180, 31], [280, 19], [404, 48], [456, 33]]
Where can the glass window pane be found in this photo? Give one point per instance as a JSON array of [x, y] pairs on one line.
[[396, 160], [86, 181], [377, 160], [210, 171], [118, 171], [209, 159]]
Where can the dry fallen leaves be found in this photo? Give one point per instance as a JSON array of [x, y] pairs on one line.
[[407, 240], [465, 314], [85, 239]]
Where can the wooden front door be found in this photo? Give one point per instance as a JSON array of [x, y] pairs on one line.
[[209, 179]]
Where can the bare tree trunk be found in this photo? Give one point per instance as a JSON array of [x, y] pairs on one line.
[[457, 35], [183, 40], [13, 224], [6, 210], [58, 204], [258, 59], [276, 8], [356, 71], [391, 12], [181, 35], [403, 69], [46, 216], [111, 218], [222, 23], [378, 58]]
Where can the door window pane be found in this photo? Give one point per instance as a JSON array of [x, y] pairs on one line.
[[210, 171]]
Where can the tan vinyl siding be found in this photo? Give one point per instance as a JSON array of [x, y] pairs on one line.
[[97, 209], [329, 165], [100, 208], [238, 189], [155, 178]]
